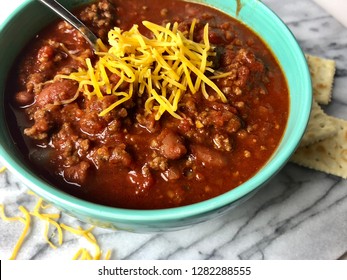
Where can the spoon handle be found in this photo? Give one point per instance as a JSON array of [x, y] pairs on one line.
[[74, 21]]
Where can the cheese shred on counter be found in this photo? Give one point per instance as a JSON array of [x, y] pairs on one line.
[[26, 220], [51, 219], [163, 67]]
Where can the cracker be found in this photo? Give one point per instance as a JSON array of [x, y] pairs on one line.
[[320, 126], [322, 74], [328, 155]]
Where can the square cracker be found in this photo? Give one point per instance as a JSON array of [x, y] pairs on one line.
[[328, 155], [320, 126], [322, 74]]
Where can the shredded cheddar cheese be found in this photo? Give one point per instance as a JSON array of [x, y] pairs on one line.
[[82, 254], [26, 220], [89, 237], [2, 169], [163, 67], [51, 219]]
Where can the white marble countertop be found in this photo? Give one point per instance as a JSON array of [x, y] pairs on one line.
[[300, 214]]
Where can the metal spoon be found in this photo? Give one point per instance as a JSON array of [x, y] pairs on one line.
[[75, 22]]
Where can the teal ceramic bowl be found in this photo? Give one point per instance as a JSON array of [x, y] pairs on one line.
[[31, 16]]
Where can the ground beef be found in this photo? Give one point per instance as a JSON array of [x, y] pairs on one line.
[[100, 17]]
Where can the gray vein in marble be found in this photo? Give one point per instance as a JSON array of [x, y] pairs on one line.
[[340, 73], [279, 228], [284, 227], [142, 246]]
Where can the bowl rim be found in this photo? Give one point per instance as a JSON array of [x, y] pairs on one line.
[[63, 200]]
